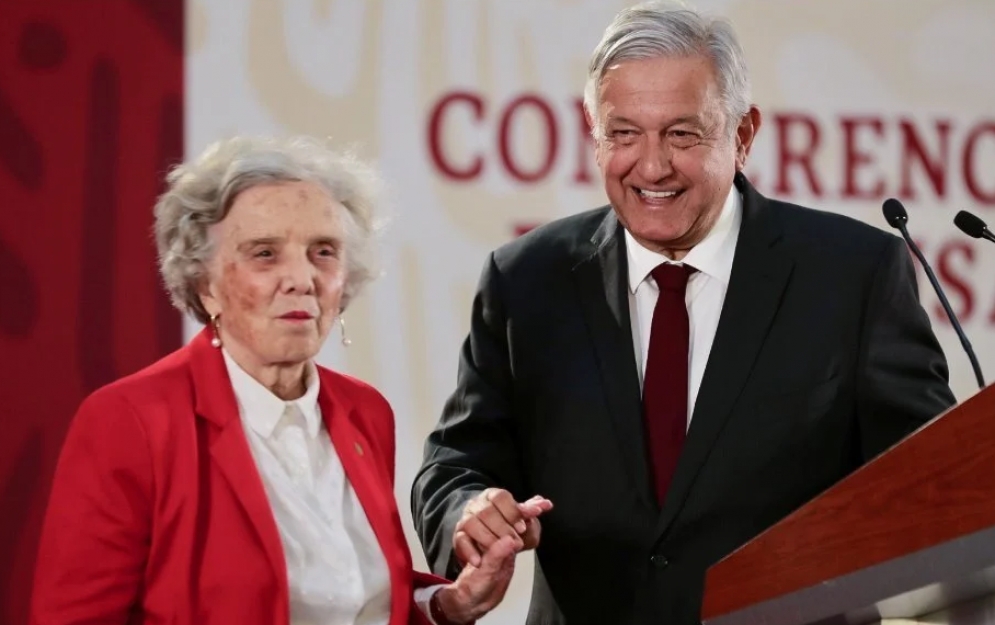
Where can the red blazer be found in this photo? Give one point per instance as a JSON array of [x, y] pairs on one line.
[[158, 513]]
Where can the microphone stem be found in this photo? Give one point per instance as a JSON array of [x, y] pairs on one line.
[[946, 307]]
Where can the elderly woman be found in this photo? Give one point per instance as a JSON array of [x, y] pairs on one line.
[[234, 481]]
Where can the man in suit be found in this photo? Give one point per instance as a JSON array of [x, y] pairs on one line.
[[676, 371]]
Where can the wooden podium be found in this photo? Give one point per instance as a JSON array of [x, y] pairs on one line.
[[909, 533]]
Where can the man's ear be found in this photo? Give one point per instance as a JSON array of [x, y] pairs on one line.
[[746, 132]]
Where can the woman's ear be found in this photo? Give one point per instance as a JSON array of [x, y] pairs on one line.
[[208, 300]]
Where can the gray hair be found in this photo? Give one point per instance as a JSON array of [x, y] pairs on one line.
[[200, 193], [665, 29]]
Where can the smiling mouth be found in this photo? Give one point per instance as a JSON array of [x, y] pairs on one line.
[[657, 195]]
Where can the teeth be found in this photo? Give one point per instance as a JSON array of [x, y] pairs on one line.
[[657, 194]]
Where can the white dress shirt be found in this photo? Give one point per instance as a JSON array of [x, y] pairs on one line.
[[336, 571], [706, 291]]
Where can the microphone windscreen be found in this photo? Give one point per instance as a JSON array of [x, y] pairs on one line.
[[894, 212], [970, 225]]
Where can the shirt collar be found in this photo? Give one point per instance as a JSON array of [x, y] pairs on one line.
[[713, 256], [262, 410]]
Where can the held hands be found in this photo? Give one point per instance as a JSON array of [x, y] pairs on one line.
[[493, 529], [494, 514]]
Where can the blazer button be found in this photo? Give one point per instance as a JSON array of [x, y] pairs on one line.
[[659, 561]]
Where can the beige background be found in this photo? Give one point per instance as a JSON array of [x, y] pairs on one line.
[[369, 73]]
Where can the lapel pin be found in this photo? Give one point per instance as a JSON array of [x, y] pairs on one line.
[[359, 448]]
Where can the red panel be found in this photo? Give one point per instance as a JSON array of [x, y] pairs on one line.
[[91, 116]]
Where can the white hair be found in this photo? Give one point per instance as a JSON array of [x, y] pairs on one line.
[[200, 193], [667, 29]]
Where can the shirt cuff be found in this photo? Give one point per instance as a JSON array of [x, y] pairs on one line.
[[422, 598]]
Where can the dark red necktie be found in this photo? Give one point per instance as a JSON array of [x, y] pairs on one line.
[[665, 382]]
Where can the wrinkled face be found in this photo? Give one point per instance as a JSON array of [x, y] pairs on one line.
[[667, 154], [277, 273]]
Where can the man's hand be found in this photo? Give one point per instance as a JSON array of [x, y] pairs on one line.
[[492, 515]]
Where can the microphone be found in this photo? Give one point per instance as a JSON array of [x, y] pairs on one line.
[[972, 226], [897, 217]]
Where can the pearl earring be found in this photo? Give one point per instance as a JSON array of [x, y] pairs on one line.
[[345, 339], [216, 324]]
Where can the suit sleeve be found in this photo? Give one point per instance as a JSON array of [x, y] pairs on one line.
[[903, 377], [474, 445], [96, 532]]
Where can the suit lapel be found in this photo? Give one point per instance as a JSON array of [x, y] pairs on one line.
[[373, 490], [359, 462], [602, 282], [215, 402], [760, 272]]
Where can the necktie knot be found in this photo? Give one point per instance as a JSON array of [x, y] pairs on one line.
[[671, 277]]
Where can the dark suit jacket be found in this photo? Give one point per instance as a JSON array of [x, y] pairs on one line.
[[158, 513], [822, 359]]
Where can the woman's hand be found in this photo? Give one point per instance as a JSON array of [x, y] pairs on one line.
[[479, 589]]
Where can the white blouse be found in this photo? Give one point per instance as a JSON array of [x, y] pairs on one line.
[[336, 571]]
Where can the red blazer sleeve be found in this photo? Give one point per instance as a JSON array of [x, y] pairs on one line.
[[95, 537]]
